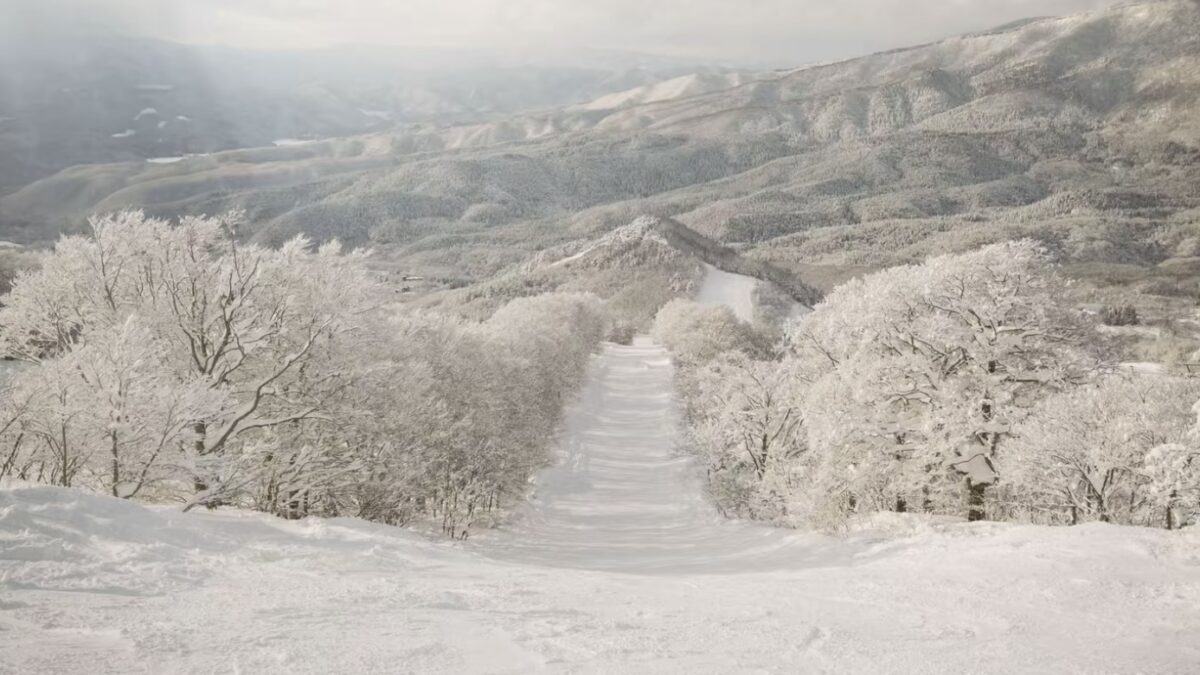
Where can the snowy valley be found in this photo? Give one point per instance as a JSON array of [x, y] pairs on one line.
[[514, 358]]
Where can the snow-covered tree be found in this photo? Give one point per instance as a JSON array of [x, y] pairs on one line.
[[742, 409], [746, 423], [173, 361], [50, 438], [462, 413], [1110, 450], [695, 333], [15, 406], [919, 372], [251, 325], [144, 413], [1173, 474]]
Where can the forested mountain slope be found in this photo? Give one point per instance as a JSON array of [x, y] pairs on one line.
[[636, 268], [1067, 127]]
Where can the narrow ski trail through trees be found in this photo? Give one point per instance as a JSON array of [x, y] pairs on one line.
[[623, 494]]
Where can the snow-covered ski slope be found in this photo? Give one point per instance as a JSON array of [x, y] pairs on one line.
[[618, 564], [735, 291], [622, 495], [92, 584]]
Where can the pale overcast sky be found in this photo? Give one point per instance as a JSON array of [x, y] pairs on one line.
[[778, 31]]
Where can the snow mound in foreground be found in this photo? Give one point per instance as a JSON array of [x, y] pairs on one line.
[[93, 584], [65, 540], [59, 539]]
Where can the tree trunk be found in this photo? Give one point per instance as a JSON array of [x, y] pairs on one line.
[[1170, 511], [975, 500], [1097, 503], [763, 453], [200, 428], [116, 465], [297, 505], [65, 479], [11, 463], [976, 492]]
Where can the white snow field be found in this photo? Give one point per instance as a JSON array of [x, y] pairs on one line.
[[617, 565], [735, 291]]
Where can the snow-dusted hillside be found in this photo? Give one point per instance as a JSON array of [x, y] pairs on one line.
[[71, 99], [693, 84], [618, 565], [1024, 124]]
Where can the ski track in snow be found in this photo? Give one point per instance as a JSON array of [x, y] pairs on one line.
[[622, 495], [618, 564]]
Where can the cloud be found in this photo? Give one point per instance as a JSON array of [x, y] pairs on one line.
[[781, 31]]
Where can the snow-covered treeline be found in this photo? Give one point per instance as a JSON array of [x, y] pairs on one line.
[[171, 362], [966, 386]]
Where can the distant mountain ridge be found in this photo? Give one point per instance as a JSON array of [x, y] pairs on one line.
[[94, 99], [1063, 125]]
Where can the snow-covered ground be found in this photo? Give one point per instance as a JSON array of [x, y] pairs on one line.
[[622, 495], [735, 291], [617, 565]]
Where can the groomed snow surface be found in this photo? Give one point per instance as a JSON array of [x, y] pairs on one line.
[[734, 291], [617, 565]]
